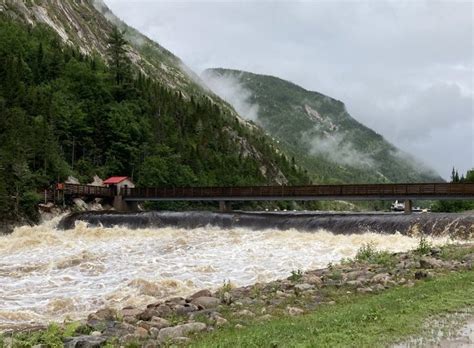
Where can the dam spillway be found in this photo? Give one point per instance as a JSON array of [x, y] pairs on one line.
[[456, 225]]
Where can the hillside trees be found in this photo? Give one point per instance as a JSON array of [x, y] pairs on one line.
[[63, 113]]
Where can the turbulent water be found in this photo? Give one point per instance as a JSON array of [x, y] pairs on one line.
[[47, 274]]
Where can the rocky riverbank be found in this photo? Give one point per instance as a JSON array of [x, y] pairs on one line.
[[177, 320]]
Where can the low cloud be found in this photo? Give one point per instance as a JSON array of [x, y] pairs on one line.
[[336, 148], [229, 88]]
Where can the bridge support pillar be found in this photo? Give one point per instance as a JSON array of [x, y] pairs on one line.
[[408, 206], [123, 206], [225, 207]]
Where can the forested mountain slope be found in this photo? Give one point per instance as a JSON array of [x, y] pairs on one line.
[[319, 133], [66, 110]]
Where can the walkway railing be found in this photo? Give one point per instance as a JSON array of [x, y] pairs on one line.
[[355, 192]]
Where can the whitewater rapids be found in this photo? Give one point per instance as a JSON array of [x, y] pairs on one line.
[[47, 274]]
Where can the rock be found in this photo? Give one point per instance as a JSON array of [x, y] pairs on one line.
[[364, 290], [354, 283], [202, 293], [171, 333], [117, 329], [381, 278], [304, 286], [265, 317], [294, 311], [141, 332], [206, 302], [160, 311], [150, 344], [423, 275], [219, 321], [85, 342], [131, 312], [159, 323], [103, 314], [154, 332], [238, 326], [430, 262], [378, 287], [354, 275], [185, 309], [313, 279], [96, 333], [245, 313]]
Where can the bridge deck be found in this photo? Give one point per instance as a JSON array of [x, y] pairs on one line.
[[314, 192]]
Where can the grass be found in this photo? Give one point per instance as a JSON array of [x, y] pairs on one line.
[[356, 321]]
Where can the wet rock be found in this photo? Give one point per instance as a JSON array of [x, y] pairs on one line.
[[206, 302], [171, 333], [202, 293], [85, 342], [294, 311]]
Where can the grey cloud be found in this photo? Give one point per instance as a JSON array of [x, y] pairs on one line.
[[231, 90]]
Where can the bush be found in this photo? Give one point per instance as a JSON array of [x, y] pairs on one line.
[[368, 253]]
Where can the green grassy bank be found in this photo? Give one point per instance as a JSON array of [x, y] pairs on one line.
[[363, 320]]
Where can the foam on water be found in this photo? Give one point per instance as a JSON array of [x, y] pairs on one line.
[[49, 275]]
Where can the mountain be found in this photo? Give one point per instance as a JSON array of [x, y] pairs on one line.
[[81, 94], [316, 130]]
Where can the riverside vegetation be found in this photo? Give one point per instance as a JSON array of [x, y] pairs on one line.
[[377, 298]]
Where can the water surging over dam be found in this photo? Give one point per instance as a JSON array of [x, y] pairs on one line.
[[49, 274]]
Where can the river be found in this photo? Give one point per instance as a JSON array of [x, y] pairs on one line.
[[48, 274]]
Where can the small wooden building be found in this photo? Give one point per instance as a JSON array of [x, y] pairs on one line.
[[119, 183]]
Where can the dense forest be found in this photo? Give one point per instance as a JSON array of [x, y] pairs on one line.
[[64, 113]]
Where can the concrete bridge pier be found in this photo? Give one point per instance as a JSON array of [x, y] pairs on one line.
[[408, 206], [225, 207], [123, 206]]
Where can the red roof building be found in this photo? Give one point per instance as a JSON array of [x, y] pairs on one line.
[[114, 180]]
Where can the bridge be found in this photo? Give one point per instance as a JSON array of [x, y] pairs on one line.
[[127, 199]]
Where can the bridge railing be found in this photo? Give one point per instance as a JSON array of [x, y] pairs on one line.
[[372, 190], [88, 190]]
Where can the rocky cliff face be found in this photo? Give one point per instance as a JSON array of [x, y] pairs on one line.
[[86, 24]]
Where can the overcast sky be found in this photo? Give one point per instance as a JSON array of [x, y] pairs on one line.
[[405, 69]]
